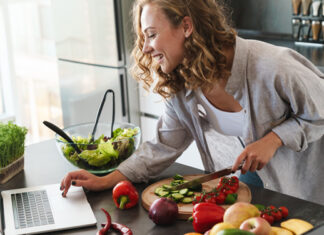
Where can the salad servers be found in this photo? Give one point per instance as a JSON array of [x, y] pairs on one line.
[[99, 113], [61, 133]]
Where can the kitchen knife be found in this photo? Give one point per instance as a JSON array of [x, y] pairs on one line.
[[203, 179]]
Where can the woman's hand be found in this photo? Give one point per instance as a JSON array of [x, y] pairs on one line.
[[257, 154], [83, 178]]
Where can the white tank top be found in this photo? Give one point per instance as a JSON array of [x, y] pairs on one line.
[[226, 123]]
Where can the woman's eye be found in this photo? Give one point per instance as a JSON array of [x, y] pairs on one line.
[[151, 35]]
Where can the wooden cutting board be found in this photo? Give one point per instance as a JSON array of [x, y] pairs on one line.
[[185, 210]]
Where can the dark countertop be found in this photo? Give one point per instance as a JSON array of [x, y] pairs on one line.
[[313, 52], [44, 165]]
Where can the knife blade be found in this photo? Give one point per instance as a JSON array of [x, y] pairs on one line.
[[204, 178]]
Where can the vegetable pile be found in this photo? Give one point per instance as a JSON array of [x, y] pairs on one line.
[[273, 214], [103, 153], [12, 143], [224, 193], [185, 195]]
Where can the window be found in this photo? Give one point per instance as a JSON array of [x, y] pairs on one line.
[[31, 65]]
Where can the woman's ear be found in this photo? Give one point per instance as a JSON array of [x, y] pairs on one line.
[[187, 26]]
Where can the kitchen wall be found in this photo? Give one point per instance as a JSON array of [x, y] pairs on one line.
[[269, 16]]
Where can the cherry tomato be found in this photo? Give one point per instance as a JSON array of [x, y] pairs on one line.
[[284, 211], [271, 207], [227, 190], [220, 198], [235, 178], [268, 218], [211, 199], [276, 214]]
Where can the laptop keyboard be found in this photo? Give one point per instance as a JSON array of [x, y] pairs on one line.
[[31, 209]]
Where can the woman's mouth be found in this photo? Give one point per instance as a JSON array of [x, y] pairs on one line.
[[158, 58]]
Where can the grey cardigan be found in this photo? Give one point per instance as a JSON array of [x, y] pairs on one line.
[[280, 91]]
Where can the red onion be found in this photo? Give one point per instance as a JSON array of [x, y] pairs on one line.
[[163, 211]]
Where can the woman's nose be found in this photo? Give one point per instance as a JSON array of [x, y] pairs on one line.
[[146, 48]]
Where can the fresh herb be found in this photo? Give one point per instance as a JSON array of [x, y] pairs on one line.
[[12, 143]]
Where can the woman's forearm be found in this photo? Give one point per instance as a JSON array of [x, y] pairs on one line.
[[110, 180]]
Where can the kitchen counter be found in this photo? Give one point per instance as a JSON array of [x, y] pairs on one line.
[[44, 165], [313, 52]]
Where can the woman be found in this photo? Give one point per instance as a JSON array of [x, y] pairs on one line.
[[267, 95]]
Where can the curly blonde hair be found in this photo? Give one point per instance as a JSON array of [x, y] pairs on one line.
[[204, 61]]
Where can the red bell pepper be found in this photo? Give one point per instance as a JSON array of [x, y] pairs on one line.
[[205, 215], [125, 195]]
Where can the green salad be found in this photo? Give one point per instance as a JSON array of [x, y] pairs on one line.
[[104, 152]]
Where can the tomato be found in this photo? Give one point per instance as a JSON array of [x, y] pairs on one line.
[[268, 218], [220, 198], [227, 191], [211, 199], [276, 214], [235, 178], [284, 211], [271, 207]]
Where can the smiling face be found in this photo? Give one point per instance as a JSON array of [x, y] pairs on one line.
[[162, 40]]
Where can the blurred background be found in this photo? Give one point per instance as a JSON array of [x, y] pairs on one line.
[[58, 57]]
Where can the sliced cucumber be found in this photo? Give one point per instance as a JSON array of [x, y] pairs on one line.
[[190, 193], [184, 191], [157, 190], [175, 191], [177, 196], [167, 186], [187, 200], [178, 177], [163, 193]]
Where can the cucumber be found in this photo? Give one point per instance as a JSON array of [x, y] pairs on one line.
[[178, 177], [157, 190], [163, 193], [167, 186], [190, 193], [184, 191], [187, 200], [177, 196]]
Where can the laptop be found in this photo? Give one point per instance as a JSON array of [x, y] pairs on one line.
[[42, 209]]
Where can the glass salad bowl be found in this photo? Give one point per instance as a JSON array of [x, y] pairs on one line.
[[105, 153]]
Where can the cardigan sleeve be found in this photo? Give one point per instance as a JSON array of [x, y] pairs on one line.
[[153, 156], [302, 87]]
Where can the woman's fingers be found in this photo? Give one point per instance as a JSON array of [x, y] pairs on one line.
[[75, 178], [254, 166], [239, 160]]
